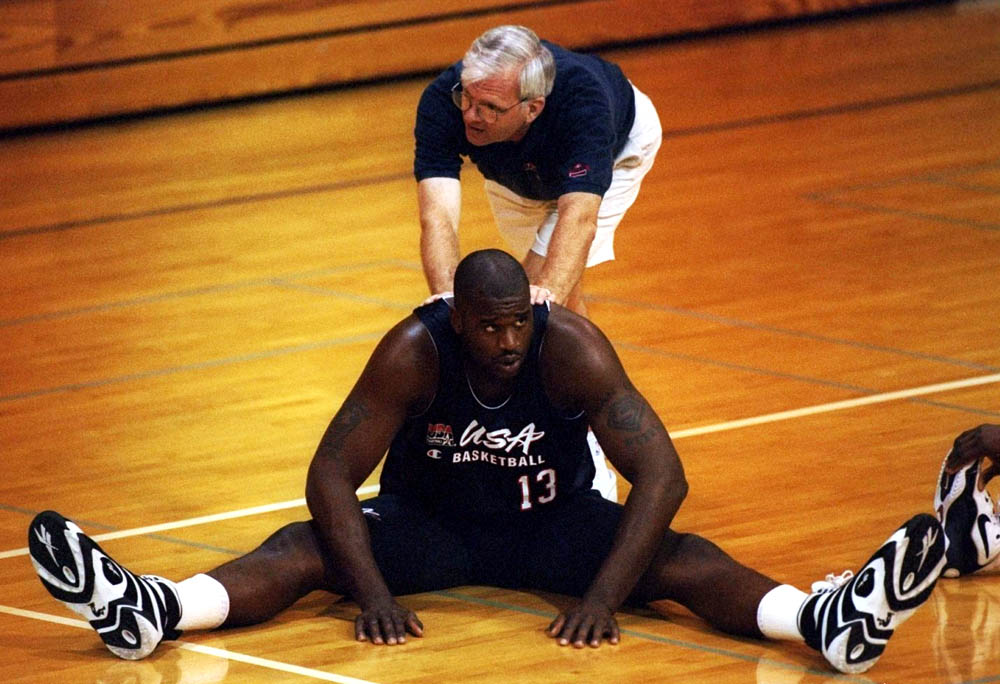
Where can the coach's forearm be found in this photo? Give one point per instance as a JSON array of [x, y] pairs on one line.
[[440, 208], [570, 244]]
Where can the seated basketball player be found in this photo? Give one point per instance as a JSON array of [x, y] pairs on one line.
[[483, 405]]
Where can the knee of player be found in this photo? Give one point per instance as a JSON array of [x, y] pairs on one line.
[[294, 541]]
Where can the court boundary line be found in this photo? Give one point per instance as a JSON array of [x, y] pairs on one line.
[[225, 654], [762, 419], [679, 434]]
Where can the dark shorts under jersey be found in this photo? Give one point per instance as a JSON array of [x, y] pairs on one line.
[[557, 550]]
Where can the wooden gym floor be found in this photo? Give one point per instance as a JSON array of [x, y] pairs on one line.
[[808, 291]]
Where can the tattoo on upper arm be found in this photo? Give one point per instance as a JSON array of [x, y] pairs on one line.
[[644, 438], [626, 412], [347, 419]]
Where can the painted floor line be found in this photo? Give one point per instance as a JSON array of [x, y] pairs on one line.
[[190, 522], [840, 405], [205, 650], [675, 434]]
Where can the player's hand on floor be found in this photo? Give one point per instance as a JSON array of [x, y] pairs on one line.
[[976, 443], [587, 623], [387, 623]]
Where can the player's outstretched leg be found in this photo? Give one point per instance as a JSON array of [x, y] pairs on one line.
[[851, 621], [969, 518], [131, 613]]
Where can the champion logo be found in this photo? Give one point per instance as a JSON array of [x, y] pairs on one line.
[[440, 434], [578, 170]]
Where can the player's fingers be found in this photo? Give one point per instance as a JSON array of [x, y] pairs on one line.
[[388, 626], [959, 457], [582, 632], [373, 630], [614, 634], [359, 628], [414, 626], [990, 470], [556, 625], [399, 628], [568, 630]]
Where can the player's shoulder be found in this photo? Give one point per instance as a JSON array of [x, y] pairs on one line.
[[571, 339], [577, 360], [407, 351]]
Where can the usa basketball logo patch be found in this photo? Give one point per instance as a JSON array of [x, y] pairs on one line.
[[578, 170], [440, 434]]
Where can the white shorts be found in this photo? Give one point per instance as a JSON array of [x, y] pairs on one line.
[[527, 224]]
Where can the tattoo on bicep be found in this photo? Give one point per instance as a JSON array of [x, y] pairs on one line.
[[626, 412], [347, 419], [643, 438]]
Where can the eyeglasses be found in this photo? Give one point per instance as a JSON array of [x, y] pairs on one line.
[[484, 110]]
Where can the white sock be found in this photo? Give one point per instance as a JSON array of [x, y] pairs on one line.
[[204, 603], [778, 613]]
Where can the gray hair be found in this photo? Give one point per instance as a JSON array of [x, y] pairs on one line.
[[504, 49]]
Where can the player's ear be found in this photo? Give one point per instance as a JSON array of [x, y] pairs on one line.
[[456, 321]]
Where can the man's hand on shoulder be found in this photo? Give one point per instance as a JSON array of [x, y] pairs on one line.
[[541, 295]]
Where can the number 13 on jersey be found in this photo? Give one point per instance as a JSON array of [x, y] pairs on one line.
[[545, 490]]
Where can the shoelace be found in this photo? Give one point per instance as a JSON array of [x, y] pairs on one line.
[[832, 582]]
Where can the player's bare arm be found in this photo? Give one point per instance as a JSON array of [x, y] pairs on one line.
[[636, 442], [393, 383], [440, 201]]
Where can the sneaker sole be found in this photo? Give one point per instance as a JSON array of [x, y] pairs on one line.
[[898, 578], [127, 618]]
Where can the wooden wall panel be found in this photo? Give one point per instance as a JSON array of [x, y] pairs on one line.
[[64, 61]]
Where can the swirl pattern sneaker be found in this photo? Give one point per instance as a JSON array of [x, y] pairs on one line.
[[849, 618], [969, 518], [131, 613]]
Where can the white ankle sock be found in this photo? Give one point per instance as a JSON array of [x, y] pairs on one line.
[[778, 613], [204, 603]]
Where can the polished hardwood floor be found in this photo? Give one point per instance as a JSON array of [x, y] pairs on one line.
[[808, 291]]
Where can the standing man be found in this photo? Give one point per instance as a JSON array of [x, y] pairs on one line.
[[563, 140]]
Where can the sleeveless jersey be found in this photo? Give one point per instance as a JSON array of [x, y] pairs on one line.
[[462, 458]]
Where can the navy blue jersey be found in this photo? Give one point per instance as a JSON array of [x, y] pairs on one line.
[[570, 147], [465, 459]]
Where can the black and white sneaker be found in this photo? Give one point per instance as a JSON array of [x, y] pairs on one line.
[[851, 617], [131, 613], [969, 518]]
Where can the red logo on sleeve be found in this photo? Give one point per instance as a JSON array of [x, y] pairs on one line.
[[578, 170]]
